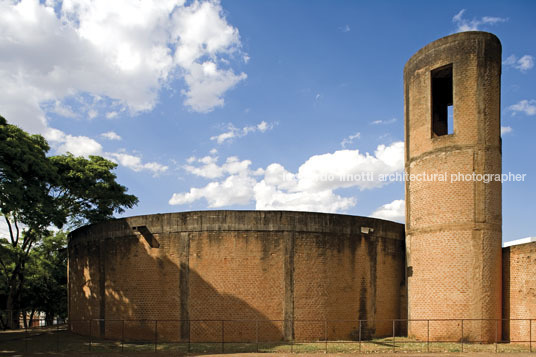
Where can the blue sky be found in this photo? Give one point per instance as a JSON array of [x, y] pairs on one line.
[[252, 104]]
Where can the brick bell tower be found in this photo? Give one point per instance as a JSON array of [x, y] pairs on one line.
[[454, 225]]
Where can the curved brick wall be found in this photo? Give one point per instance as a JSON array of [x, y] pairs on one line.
[[519, 292], [275, 269], [454, 228]]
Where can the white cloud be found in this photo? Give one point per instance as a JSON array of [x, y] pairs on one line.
[[524, 106], [349, 140], [92, 113], [347, 168], [203, 32], [111, 115], [61, 109], [84, 146], [345, 28], [76, 145], [523, 64], [234, 132], [475, 24], [506, 130], [384, 122], [510, 60], [111, 135], [135, 163], [121, 51], [394, 211], [458, 16], [263, 126], [234, 190], [208, 167], [207, 86], [79, 146], [311, 188], [271, 198]]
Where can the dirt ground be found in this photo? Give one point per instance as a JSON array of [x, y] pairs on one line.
[[167, 354]]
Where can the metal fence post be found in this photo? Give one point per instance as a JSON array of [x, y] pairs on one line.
[[292, 334], [122, 335], [530, 335], [25, 338], [222, 336], [326, 334], [462, 336], [359, 336], [89, 334], [189, 334], [57, 337], [394, 346], [428, 336], [291, 338], [257, 334], [155, 335], [496, 335]]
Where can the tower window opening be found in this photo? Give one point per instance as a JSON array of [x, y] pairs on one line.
[[442, 101]]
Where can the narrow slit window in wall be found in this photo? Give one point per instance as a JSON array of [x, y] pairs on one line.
[[442, 100]]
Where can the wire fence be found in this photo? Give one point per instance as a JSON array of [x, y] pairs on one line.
[[232, 336]]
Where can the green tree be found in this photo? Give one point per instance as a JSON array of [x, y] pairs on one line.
[[37, 191], [45, 281]]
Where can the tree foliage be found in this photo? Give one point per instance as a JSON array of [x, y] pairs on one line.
[[45, 284], [39, 191]]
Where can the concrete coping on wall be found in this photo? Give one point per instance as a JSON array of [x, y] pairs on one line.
[[519, 241], [242, 221], [448, 40]]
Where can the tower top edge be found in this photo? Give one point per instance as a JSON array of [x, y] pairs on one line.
[[459, 37]]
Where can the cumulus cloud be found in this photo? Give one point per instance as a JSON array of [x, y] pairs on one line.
[[111, 135], [207, 166], [524, 106], [134, 162], [76, 145], [394, 211], [506, 130], [350, 139], [121, 51], [234, 190], [85, 146], [60, 109], [311, 188], [463, 24], [523, 64], [234, 132], [273, 198], [111, 115], [207, 84]]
